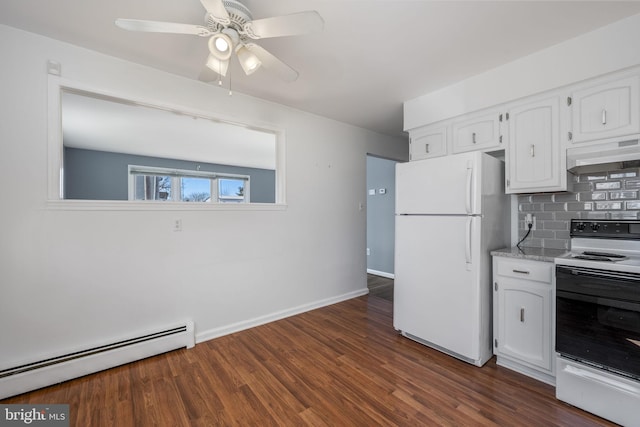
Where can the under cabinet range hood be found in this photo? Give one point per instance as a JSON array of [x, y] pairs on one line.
[[604, 157]]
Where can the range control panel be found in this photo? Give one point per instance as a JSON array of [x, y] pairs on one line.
[[605, 229]]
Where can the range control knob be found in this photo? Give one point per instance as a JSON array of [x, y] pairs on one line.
[[581, 226], [595, 226]]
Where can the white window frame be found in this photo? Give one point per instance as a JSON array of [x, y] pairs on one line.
[[177, 174]]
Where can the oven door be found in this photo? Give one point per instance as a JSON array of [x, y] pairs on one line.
[[598, 318]]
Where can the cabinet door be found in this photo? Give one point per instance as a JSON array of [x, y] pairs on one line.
[[428, 142], [478, 132], [524, 322], [606, 110], [535, 160]]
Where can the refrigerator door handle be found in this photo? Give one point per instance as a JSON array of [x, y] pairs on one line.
[[469, 188], [467, 248]]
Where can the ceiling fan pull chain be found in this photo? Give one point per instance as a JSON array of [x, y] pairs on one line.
[[230, 92]]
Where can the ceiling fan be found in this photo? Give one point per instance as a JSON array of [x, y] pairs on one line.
[[231, 28]]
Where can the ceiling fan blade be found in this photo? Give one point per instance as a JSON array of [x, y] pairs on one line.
[[286, 25], [217, 11], [272, 63], [162, 27]]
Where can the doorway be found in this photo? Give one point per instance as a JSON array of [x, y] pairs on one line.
[[380, 222]]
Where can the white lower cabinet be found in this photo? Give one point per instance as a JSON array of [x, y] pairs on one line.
[[523, 301]]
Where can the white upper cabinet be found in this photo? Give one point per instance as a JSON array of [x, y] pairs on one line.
[[535, 159], [536, 131], [477, 132], [605, 109], [428, 141]]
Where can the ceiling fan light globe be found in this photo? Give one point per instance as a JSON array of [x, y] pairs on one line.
[[248, 61], [253, 66], [220, 46], [217, 65]]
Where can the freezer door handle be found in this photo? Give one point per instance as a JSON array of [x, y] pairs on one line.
[[467, 249], [469, 188]]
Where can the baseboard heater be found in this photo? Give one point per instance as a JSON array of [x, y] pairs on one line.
[[34, 375]]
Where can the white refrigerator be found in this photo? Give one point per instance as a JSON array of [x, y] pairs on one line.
[[450, 213]]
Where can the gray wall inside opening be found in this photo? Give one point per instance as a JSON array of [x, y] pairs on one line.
[[381, 174], [101, 175]]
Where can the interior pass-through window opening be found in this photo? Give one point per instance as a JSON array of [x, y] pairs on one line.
[[114, 149]]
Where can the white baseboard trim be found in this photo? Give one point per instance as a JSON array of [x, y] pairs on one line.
[[257, 321], [381, 274]]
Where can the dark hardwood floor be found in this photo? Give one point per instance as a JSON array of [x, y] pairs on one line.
[[341, 365], [380, 287]]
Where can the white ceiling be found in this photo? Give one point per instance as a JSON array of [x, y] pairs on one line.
[[371, 56], [103, 124]]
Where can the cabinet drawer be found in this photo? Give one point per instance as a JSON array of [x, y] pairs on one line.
[[538, 271]]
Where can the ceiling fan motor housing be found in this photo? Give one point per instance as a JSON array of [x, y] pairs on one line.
[[238, 14]]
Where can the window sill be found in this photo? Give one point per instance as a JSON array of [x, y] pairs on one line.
[[108, 205]]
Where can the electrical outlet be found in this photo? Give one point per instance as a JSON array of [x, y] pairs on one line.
[[177, 225], [368, 251], [530, 220]]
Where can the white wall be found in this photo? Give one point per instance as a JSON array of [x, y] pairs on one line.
[[604, 50], [70, 278]]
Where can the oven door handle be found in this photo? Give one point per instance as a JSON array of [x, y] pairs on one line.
[[582, 373], [581, 271], [605, 302]]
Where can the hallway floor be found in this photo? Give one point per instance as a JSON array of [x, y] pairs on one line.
[[380, 287]]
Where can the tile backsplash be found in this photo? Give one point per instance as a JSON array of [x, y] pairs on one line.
[[602, 195]]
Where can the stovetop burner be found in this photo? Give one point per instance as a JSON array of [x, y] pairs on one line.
[[604, 254], [599, 256], [593, 258]]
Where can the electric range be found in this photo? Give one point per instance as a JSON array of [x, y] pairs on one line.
[[598, 320]]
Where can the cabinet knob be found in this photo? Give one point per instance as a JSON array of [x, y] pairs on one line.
[[426, 148], [473, 137], [532, 150], [522, 314], [604, 117]]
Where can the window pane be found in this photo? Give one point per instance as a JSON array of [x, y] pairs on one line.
[[152, 187], [231, 190], [196, 189]]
